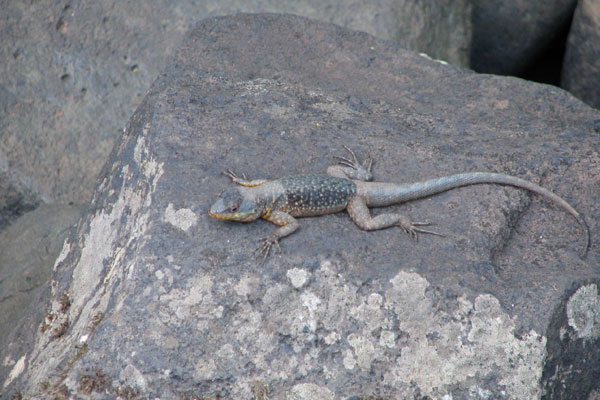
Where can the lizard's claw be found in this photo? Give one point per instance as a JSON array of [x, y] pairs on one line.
[[234, 177], [266, 243], [370, 165], [351, 152], [353, 163], [228, 172], [412, 228]]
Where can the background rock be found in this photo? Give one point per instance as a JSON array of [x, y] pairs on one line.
[[581, 68], [163, 301], [509, 36], [16, 197], [73, 72], [28, 249]]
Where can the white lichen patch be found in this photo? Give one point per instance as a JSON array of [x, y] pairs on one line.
[[297, 277], [63, 254], [133, 377], [309, 391], [247, 285], [248, 323], [349, 360], [16, 370], [193, 303], [311, 302], [111, 233], [583, 312], [445, 349], [141, 149], [332, 337], [226, 351], [387, 339], [103, 244], [371, 312], [143, 157], [184, 218], [330, 325], [364, 350], [97, 248], [99, 245]]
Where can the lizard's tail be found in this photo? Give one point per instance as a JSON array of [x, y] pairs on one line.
[[387, 194]]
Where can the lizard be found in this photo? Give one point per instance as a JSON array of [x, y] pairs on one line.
[[348, 186]]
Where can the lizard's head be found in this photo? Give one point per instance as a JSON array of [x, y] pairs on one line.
[[233, 205]]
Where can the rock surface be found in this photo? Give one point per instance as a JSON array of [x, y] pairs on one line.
[[508, 36], [152, 298], [28, 249], [581, 67], [73, 72], [16, 196]]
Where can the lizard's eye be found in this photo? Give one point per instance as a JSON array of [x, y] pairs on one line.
[[233, 208]]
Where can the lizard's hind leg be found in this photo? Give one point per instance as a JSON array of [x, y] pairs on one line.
[[359, 212]]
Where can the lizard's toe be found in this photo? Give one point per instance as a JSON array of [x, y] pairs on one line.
[[412, 228], [264, 248], [415, 228]]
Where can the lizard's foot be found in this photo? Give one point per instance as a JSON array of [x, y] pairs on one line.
[[242, 180], [266, 243], [357, 170], [412, 228], [234, 177]]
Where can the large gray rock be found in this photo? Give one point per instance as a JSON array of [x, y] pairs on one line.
[[73, 72], [16, 195], [581, 67], [152, 298], [440, 28], [28, 249], [510, 35]]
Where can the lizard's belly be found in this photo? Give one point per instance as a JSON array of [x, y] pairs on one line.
[[310, 195]]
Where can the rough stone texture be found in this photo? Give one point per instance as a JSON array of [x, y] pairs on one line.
[[581, 67], [152, 298], [16, 197], [439, 28], [73, 72], [575, 330], [508, 36], [28, 249]]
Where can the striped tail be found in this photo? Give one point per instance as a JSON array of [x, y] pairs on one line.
[[381, 194]]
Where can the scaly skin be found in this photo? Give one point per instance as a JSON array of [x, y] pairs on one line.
[[346, 186]]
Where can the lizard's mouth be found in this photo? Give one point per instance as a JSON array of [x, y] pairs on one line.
[[227, 216], [224, 215], [218, 216], [217, 210]]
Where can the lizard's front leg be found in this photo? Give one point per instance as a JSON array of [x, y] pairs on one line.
[[350, 168], [359, 212], [242, 180], [287, 226]]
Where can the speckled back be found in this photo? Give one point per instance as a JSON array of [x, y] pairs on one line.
[[309, 195]]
